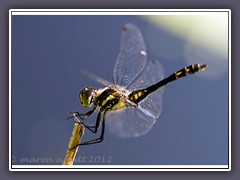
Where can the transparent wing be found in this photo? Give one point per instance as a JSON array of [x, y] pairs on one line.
[[152, 74], [132, 57], [134, 122], [95, 77], [130, 122]]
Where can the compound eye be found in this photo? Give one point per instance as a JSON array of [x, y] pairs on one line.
[[86, 97], [88, 93]]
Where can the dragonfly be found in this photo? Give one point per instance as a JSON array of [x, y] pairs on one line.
[[131, 104]]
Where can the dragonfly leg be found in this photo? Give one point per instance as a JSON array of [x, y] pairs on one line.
[[100, 139], [78, 117], [93, 128], [98, 122], [86, 115], [101, 118], [82, 116]]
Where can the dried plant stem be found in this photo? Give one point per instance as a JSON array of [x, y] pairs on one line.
[[77, 134]]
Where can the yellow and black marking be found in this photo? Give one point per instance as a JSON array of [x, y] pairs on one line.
[[110, 100], [190, 70], [139, 95]]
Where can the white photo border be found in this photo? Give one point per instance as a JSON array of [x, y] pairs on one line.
[[14, 12]]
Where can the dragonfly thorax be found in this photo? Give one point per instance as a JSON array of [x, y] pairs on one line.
[[87, 96]]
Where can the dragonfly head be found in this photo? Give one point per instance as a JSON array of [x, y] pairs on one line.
[[87, 95]]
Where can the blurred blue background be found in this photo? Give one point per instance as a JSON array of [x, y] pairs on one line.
[[47, 55]]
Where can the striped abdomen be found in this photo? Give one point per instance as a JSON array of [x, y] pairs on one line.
[[138, 95]]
